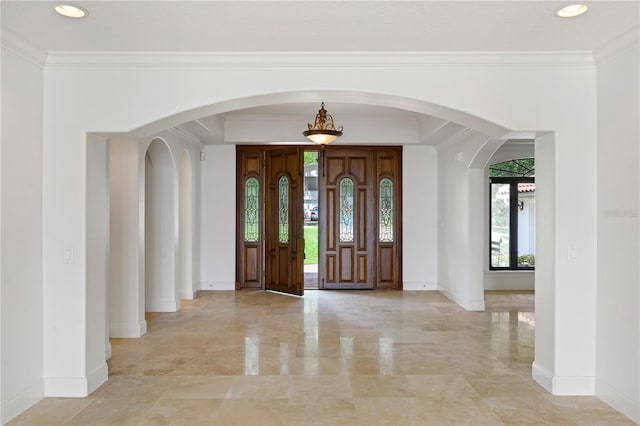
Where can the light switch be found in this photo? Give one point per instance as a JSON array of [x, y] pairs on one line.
[[572, 254], [67, 255]]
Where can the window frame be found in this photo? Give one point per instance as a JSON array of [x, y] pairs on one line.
[[257, 213], [391, 225], [284, 209], [513, 221], [346, 231]]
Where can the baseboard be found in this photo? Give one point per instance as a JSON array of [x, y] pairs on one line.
[[217, 285], [189, 295], [562, 385], [11, 409], [542, 376], [65, 387], [107, 352], [622, 403], [419, 286], [76, 387], [128, 331], [469, 305], [162, 306], [475, 305], [574, 385], [97, 377]]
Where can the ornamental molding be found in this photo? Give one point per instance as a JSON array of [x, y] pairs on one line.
[[318, 60]]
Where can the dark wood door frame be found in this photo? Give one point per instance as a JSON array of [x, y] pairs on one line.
[[386, 256]]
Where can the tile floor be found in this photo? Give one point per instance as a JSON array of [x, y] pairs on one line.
[[332, 357]]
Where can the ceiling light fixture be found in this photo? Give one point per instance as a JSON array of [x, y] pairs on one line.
[[323, 131], [572, 10], [71, 11]]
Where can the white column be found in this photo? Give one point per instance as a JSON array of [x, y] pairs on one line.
[[97, 245], [186, 226], [545, 277], [476, 179], [126, 231]]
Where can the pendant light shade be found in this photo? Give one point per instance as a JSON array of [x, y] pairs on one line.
[[323, 131]]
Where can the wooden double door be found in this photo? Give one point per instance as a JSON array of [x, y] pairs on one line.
[[359, 231]]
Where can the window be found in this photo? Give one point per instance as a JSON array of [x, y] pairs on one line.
[[512, 214], [251, 210], [385, 213], [283, 209], [346, 210]]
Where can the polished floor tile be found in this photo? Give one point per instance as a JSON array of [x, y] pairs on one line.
[[329, 358]]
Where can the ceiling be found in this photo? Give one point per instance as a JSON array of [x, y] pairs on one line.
[[319, 26]]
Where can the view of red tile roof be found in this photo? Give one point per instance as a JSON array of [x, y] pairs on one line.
[[526, 187]]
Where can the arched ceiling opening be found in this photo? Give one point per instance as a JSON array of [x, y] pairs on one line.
[[368, 119]]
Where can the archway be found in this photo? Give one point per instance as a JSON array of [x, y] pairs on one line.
[[160, 230], [464, 285]]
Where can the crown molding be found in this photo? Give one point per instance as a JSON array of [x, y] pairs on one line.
[[316, 60], [618, 46], [23, 48]]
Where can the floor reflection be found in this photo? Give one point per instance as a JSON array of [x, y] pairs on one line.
[[385, 352], [251, 356], [332, 357]]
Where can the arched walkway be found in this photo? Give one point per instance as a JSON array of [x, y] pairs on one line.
[[160, 230]]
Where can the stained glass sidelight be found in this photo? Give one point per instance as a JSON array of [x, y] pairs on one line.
[[346, 210], [251, 210], [386, 211], [283, 209]]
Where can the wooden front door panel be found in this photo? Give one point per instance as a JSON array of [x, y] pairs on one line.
[[347, 204], [284, 221], [250, 238], [388, 167]]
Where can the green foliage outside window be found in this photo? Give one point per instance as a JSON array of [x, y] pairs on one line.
[[524, 167], [527, 260], [310, 157]]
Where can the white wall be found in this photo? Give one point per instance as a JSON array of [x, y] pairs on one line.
[[218, 219], [461, 221], [420, 214], [21, 222], [509, 280], [618, 347]]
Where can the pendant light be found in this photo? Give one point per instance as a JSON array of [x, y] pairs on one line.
[[323, 131]]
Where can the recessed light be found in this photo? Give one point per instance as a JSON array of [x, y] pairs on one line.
[[572, 10], [71, 11]]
